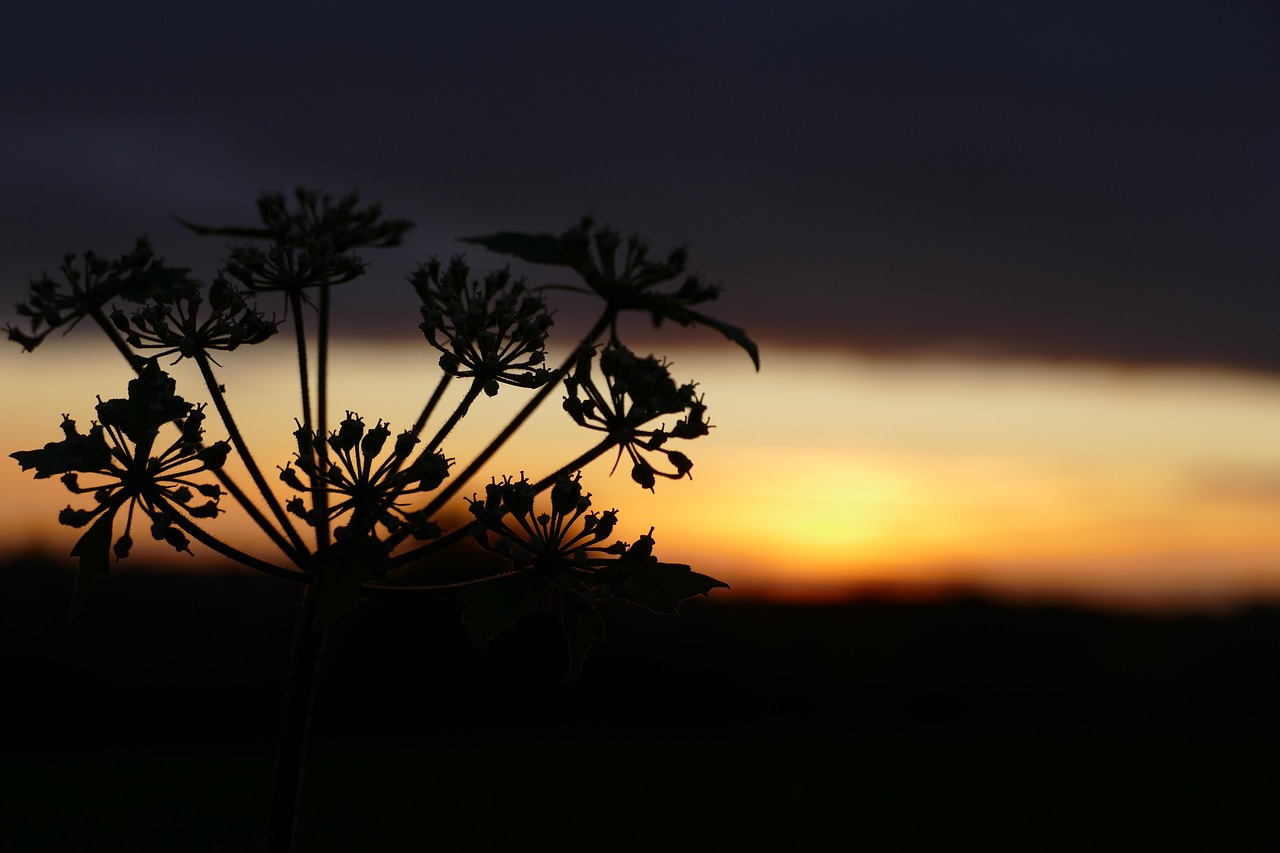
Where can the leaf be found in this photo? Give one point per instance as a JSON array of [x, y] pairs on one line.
[[657, 586], [734, 333], [534, 248], [495, 605], [582, 627], [94, 551], [76, 452], [206, 231]]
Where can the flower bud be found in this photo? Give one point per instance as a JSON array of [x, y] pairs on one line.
[[349, 433], [565, 495], [373, 441], [215, 455]]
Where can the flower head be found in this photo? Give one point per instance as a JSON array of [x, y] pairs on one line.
[[118, 456], [168, 322], [311, 243], [493, 330], [563, 554], [636, 392], [363, 494], [89, 283]]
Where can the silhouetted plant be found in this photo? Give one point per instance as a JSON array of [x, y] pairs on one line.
[[359, 494]]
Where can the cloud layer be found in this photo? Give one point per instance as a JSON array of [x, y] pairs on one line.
[[1096, 182]]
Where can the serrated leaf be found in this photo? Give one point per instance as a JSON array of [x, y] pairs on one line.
[[94, 551], [88, 452], [534, 248], [657, 586], [582, 627], [494, 606]]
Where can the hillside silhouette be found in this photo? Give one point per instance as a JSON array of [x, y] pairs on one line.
[[150, 721]]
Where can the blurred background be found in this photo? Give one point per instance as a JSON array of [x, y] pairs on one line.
[[1011, 268]]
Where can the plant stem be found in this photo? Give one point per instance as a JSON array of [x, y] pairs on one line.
[[321, 496], [298, 552], [300, 342], [585, 459], [113, 334], [300, 336], [430, 407], [200, 534], [458, 414], [300, 683]]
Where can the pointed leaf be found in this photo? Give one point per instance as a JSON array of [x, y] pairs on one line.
[[94, 551], [734, 333], [206, 231], [534, 248], [495, 605], [657, 586]]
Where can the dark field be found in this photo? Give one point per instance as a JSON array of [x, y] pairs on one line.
[[148, 724]]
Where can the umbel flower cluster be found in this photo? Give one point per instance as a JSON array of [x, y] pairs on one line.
[[356, 503]]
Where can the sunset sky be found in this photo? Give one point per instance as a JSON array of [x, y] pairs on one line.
[[1012, 269]]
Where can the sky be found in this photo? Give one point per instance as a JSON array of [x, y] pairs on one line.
[[1007, 209]]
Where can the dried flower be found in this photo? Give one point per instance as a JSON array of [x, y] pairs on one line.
[[637, 391], [310, 244], [119, 452], [494, 331], [90, 284], [365, 495], [561, 555], [169, 322]]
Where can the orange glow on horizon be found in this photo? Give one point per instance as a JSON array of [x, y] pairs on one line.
[[823, 472]]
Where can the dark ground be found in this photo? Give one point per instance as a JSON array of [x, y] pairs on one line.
[[148, 724]]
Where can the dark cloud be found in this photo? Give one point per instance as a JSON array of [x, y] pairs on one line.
[[1093, 181]]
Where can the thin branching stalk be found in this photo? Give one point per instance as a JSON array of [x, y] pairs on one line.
[[300, 341], [304, 381], [464, 406], [420, 424], [298, 551], [383, 590], [113, 334], [576, 465], [231, 552], [322, 414]]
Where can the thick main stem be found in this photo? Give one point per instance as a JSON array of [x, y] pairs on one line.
[[294, 727]]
